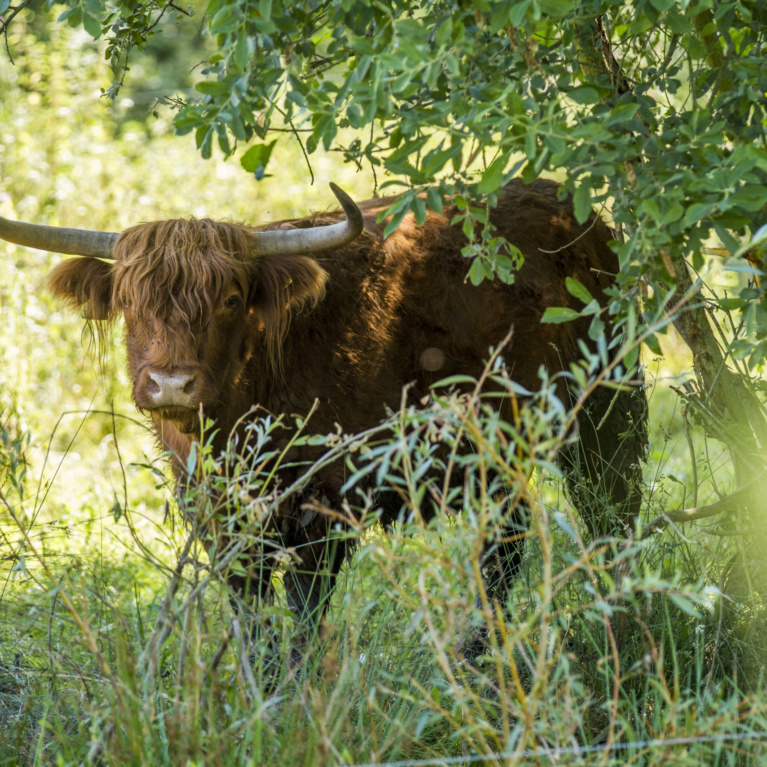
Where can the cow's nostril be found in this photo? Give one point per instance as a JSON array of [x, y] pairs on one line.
[[190, 385], [152, 386]]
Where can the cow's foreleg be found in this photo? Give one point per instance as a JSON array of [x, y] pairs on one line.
[[309, 587], [501, 564]]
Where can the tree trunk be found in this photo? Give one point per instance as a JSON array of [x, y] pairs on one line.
[[728, 410]]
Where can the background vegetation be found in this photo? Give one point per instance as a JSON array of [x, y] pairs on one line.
[[117, 642]]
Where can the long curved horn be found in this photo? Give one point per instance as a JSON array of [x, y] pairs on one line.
[[72, 242], [81, 242], [302, 241]]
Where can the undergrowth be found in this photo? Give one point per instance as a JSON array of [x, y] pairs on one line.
[[611, 649]]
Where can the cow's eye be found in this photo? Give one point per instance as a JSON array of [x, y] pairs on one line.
[[232, 301]]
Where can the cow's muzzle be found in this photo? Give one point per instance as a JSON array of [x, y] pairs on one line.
[[172, 389]]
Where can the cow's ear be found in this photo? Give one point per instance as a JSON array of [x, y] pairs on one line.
[[85, 284], [288, 281]]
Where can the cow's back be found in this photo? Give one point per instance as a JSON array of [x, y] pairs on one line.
[[401, 311]]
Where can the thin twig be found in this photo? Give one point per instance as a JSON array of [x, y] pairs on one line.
[[688, 434], [6, 22], [303, 150], [50, 634], [222, 648], [242, 648], [166, 618]]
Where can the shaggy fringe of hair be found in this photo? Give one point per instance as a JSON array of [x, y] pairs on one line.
[[180, 267], [286, 285]]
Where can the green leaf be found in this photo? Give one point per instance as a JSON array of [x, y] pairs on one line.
[[729, 242], [444, 31], [395, 221], [419, 210], [243, 50], [678, 23], [437, 158], [582, 202], [4, 5], [564, 523], [73, 16], [237, 127], [191, 460], [673, 213], [731, 304], [555, 8], [592, 307], [585, 94], [212, 88], [652, 342], [223, 139], [575, 288], [558, 314], [696, 212], [329, 132], [759, 237], [493, 176], [95, 8], [434, 199], [650, 207], [398, 160], [185, 122], [92, 25], [476, 272], [597, 330], [684, 603], [258, 154], [530, 143], [204, 138]]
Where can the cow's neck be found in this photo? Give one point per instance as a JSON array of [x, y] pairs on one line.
[[292, 387]]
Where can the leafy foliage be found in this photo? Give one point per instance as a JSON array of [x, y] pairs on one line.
[[657, 107]]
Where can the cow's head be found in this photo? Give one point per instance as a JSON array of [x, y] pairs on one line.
[[198, 297]]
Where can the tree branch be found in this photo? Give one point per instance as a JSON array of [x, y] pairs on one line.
[[5, 22], [694, 513]]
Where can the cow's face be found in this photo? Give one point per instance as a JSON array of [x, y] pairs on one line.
[[179, 364], [202, 317]]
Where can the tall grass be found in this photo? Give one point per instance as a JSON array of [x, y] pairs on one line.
[[120, 643]]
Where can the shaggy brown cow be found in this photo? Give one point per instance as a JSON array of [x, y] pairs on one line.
[[220, 317]]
